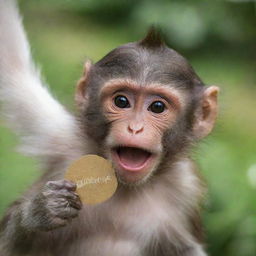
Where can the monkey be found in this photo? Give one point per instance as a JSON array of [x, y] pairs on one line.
[[142, 107]]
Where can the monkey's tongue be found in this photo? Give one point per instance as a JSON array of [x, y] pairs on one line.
[[133, 158]]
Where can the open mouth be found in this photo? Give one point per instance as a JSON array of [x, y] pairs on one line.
[[131, 158]]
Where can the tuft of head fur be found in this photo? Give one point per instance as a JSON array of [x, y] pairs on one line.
[[153, 39]]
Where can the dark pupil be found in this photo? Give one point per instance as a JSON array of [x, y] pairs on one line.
[[157, 107], [121, 102]]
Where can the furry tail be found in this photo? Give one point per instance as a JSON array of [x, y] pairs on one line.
[[46, 128]]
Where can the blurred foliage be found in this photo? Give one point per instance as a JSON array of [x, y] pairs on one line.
[[188, 24], [218, 38]]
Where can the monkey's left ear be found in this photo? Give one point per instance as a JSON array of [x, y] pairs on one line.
[[80, 94], [207, 113]]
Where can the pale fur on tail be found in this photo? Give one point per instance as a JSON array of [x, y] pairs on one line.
[[46, 128]]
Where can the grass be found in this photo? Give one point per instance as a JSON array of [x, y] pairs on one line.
[[61, 43]]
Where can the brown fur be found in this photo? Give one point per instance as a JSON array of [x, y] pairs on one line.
[[159, 216]]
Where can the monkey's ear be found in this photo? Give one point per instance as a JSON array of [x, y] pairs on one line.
[[207, 113], [80, 94]]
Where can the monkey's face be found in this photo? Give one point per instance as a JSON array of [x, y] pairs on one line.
[[139, 116], [141, 104]]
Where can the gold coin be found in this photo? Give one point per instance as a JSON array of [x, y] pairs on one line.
[[95, 178]]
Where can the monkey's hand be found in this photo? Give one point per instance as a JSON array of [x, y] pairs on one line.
[[53, 207]]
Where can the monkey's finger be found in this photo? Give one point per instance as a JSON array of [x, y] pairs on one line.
[[67, 213], [66, 194], [77, 204], [61, 184]]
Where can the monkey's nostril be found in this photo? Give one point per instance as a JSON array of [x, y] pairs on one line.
[[135, 129]]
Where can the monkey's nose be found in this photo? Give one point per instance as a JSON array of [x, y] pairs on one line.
[[135, 128]]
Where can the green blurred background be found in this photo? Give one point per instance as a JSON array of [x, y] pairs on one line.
[[217, 37]]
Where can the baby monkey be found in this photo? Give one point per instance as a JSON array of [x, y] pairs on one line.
[[142, 107]]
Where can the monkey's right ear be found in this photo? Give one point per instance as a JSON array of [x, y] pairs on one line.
[[80, 94]]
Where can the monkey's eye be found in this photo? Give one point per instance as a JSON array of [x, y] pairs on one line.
[[121, 101], [157, 107]]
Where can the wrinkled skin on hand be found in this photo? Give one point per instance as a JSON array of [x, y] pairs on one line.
[[54, 206]]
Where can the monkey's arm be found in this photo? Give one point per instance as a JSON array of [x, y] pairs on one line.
[[43, 209], [47, 129]]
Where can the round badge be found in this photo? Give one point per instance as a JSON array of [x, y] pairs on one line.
[[95, 178]]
